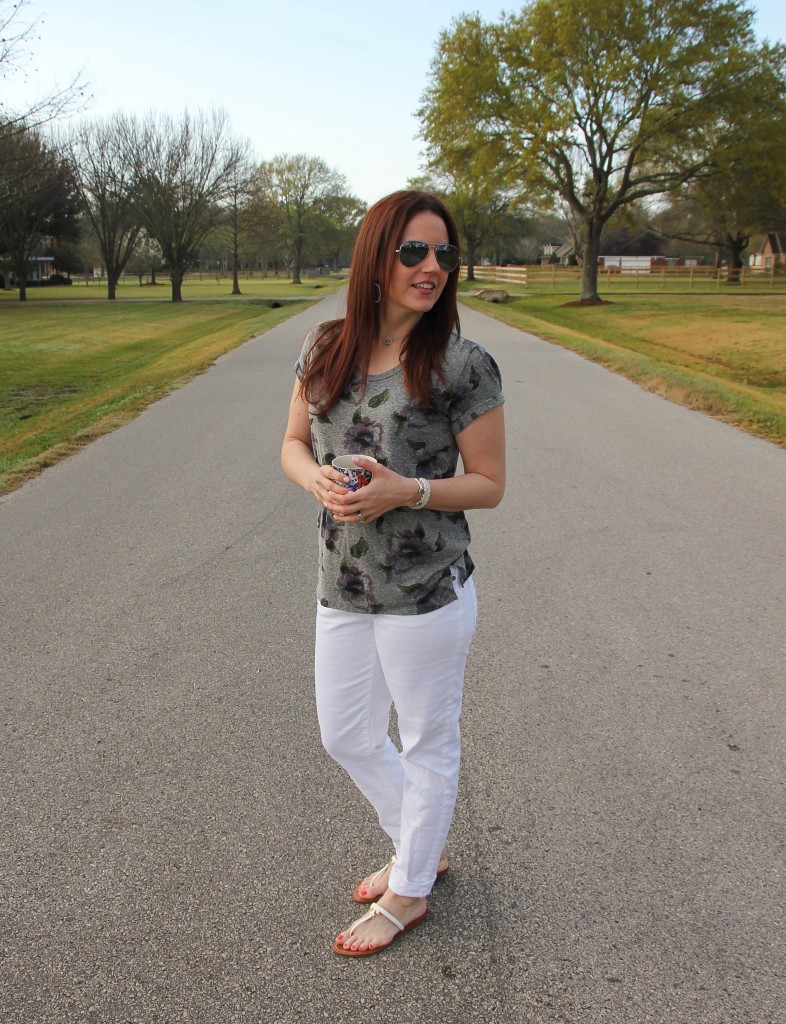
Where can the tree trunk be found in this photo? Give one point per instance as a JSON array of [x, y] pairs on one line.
[[471, 262], [736, 246], [296, 268], [177, 284], [111, 286], [235, 281], [22, 290], [589, 265]]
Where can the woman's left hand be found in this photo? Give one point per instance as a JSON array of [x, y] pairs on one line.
[[386, 490]]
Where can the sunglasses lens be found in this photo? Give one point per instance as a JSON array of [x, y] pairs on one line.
[[413, 253], [447, 257]]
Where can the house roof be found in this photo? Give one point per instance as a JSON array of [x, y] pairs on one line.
[[557, 248], [777, 241]]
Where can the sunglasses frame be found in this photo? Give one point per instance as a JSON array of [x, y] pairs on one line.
[[444, 248]]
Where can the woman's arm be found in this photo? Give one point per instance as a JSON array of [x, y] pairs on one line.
[[297, 457], [482, 484], [482, 449]]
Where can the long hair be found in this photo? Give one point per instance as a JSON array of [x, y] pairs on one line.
[[345, 346]]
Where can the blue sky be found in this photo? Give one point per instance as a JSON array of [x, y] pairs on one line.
[[339, 80]]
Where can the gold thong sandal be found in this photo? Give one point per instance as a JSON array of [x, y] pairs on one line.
[[361, 895], [375, 911]]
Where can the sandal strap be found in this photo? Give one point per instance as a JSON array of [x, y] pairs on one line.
[[360, 920], [376, 909], [374, 878]]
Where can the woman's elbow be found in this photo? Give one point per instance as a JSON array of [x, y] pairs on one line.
[[495, 494]]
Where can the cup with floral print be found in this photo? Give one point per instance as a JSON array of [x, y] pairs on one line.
[[356, 476]]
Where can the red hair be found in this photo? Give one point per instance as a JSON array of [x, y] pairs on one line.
[[344, 346]]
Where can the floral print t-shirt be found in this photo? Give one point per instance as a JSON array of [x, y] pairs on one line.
[[400, 564]]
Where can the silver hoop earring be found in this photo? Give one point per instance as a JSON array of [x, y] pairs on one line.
[[378, 296]]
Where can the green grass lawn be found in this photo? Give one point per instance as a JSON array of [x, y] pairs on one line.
[[70, 371], [195, 286], [722, 351]]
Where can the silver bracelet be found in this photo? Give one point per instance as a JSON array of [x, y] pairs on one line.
[[424, 492]]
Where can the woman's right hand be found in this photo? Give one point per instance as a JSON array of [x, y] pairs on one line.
[[326, 483]]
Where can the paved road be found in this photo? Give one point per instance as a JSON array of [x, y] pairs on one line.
[[176, 847]]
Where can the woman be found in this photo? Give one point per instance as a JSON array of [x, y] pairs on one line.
[[394, 381]]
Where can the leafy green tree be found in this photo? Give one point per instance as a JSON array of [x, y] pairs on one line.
[[598, 104], [336, 228], [480, 205], [302, 187], [42, 203], [263, 222], [744, 190]]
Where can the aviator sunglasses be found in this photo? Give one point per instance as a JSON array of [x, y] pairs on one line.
[[412, 254]]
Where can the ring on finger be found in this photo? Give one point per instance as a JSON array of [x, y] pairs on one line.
[[361, 517]]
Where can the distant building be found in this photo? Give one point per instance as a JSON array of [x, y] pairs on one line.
[[557, 252], [772, 252], [644, 264], [41, 268]]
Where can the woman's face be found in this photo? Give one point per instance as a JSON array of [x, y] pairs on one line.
[[415, 290]]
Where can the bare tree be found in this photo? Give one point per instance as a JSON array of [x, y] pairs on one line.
[[16, 39], [146, 258], [239, 194], [104, 173], [183, 171]]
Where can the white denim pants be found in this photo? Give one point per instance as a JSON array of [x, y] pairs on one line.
[[365, 662]]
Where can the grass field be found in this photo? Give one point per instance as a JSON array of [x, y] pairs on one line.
[[206, 286], [71, 371], [657, 280], [721, 351]]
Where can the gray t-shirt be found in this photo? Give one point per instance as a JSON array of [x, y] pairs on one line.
[[401, 563]]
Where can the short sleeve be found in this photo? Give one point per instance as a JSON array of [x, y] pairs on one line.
[[302, 360], [478, 389]]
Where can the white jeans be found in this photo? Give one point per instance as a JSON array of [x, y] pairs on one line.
[[363, 664]]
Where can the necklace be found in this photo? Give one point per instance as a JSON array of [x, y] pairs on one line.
[[389, 341]]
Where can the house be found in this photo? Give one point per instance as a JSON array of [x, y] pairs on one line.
[[772, 252], [557, 252], [41, 268], [645, 264]]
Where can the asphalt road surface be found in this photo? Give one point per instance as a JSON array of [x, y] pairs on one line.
[[175, 845]]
